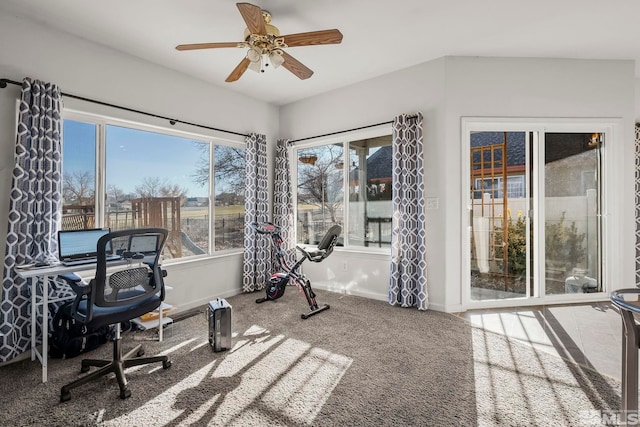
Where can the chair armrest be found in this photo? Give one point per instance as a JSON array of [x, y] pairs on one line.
[[76, 283], [151, 263], [83, 292]]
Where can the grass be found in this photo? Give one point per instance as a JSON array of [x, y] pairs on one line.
[[201, 212]]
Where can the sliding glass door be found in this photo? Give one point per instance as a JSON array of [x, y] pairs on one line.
[[534, 202], [571, 212], [500, 228]]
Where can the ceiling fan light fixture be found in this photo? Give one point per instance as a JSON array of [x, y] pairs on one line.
[[276, 58], [256, 66], [254, 54]]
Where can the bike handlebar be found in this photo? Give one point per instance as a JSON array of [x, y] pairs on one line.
[[265, 228]]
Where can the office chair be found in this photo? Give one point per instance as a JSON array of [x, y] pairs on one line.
[[136, 288]]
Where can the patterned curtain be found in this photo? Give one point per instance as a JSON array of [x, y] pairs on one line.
[[408, 281], [283, 200], [638, 204], [257, 247], [35, 206]]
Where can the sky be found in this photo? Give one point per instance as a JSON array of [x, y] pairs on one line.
[[133, 155]]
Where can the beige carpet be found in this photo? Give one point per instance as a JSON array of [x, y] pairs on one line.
[[361, 363]]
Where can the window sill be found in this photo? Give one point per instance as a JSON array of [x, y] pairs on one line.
[[382, 252], [198, 259]]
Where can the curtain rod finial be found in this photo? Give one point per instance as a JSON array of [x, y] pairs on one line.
[[5, 81]]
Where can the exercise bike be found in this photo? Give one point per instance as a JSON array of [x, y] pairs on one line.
[[278, 281]]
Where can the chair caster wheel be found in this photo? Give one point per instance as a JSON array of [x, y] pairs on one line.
[[125, 393], [304, 316], [84, 369], [64, 396], [166, 365], [140, 353]]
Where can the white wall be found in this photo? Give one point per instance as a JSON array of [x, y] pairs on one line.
[[637, 100], [446, 90], [544, 88], [90, 70], [420, 88]]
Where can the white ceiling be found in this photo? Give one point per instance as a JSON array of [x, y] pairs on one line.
[[380, 36]]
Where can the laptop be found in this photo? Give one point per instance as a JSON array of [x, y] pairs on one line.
[[77, 247], [144, 244]]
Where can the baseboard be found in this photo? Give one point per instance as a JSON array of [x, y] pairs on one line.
[[332, 287], [205, 300], [325, 286], [445, 308]]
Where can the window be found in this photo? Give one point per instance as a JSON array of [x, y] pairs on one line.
[[150, 178], [362, 171], [494, 186], [79, 175], [229, 176]]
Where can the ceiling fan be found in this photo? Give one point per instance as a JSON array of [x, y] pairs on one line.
[[266, 45]]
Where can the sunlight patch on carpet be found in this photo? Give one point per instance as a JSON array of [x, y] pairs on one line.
[[303, 390], [263, 380], [512, 379]]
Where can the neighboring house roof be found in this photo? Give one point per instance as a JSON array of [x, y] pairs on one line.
[[379, 165], [515, 145], [558, 145]]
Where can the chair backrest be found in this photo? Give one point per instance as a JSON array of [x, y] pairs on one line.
[[140, 278], [330, 240]]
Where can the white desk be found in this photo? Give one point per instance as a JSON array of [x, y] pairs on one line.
[[45, 273]]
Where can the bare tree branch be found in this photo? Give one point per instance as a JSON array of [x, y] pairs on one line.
[[155, 187], [78, 188]]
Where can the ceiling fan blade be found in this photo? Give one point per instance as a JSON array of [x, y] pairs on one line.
[[238, 71], [207, 45], [313, 38], [252, 16], [296, 67]]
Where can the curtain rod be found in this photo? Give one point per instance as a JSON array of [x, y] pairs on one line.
[[341, 131], [411, 116], [3, 84]]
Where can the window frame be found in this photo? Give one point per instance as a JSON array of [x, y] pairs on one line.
[[343, 138], [102, 121]]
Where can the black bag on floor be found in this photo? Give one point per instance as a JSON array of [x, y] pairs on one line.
[[69, 337]]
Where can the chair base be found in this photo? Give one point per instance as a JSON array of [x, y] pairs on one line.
[[117, 366]]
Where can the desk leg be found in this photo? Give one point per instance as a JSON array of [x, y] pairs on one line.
[[34, 316], [45, 326]]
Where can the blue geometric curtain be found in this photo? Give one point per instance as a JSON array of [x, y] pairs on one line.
[[257, 247], [35, 206], [637, 187], [408, 278], [283, 201]]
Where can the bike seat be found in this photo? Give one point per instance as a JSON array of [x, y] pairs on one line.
[[313, 254]]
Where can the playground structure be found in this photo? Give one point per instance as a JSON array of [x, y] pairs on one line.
[[162, 212]]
